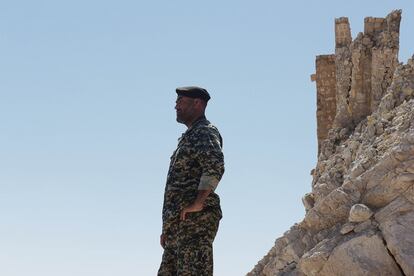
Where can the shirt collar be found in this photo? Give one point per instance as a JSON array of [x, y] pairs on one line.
[[197, 122]]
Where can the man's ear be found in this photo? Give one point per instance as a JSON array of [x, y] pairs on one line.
[[201, 103], [198, 102]]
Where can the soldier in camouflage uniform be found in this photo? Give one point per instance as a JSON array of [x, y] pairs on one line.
[[191, 210]]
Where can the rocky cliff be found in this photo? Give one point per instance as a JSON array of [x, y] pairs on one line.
[[360, 214]]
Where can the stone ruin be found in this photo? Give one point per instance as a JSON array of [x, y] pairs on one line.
[[360, 214], [351, 83]]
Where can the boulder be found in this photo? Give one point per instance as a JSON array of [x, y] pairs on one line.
[[362, 255], [359, 213], [396, 222]]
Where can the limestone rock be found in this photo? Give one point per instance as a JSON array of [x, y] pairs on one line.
[[397, 225], [363, 255], [348, 227], [308, 201], [363, 226], [388, 189], [359, 213], [314, 260]]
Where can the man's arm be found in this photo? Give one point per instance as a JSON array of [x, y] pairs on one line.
[[210, 156], [197, 205]]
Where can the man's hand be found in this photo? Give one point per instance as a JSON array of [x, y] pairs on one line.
[[162, 240], [195, 207]]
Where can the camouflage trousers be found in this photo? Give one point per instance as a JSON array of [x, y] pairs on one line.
[[189, 245]]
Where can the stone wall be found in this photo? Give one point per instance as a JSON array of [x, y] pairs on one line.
[[326, 94], [363, 72], [360, 214]]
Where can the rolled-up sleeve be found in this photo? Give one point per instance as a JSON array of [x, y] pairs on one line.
[[210, 157]]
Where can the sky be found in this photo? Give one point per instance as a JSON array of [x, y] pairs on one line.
[[87, 123]]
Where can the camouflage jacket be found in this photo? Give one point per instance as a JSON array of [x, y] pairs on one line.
[[196, 164]]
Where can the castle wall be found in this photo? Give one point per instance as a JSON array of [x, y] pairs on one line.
[[343, 69], [363, 70], [325, 78]]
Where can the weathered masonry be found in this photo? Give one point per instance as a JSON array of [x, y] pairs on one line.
[[351, 82]]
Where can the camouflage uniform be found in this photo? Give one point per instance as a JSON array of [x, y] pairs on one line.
[[196, 164]]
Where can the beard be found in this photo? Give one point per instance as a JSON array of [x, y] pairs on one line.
[[185, 115], [180, 118]]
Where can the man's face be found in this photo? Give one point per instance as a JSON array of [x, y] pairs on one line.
[[185, 109]]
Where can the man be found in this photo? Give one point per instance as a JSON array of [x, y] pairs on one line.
[[191, 210]]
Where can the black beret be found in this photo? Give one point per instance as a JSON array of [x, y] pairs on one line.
[[193, 92]]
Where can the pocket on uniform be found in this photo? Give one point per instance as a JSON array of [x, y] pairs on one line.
[[193, 215]]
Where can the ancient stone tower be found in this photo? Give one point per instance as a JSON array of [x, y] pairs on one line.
[[351, 83], [360, 212]]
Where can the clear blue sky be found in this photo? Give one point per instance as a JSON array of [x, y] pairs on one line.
[[87, 123]]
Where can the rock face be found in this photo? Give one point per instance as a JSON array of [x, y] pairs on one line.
[[360, 214]]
